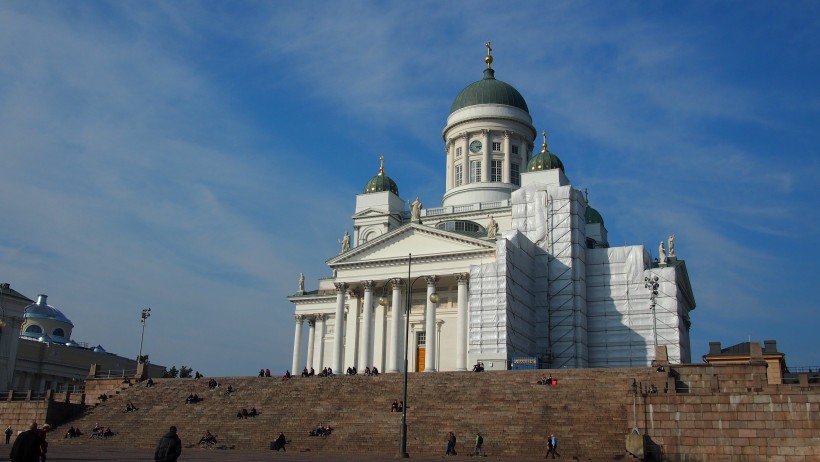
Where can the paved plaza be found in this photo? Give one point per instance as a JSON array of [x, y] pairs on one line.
[[73, 453]]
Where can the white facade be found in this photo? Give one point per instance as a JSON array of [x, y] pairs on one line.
[[545, 285]]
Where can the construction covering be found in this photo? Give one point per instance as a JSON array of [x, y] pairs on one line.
[[622, 324], [548, 296]]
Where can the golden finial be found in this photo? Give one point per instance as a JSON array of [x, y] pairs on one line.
[[544, 146], [489, 58], [381, 167]]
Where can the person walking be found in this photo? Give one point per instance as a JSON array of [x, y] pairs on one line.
[[479, 441], [9, 432], [552, 446], [26, 447], [169, 447], [451, 444]]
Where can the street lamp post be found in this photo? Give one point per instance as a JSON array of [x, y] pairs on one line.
[[652, 284], [146, 313], [433, 298]]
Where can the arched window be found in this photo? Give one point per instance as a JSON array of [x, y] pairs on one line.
[[370, 236], [34, 329], [58, 332], [461, 226]]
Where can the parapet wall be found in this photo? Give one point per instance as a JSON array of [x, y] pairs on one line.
[[731, 413]]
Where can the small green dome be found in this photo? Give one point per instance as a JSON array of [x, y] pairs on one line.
[[489, 91], [545, 160], [381, 182], [593, 217]]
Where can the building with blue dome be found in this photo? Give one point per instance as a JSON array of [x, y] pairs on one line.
[[37, 352], [512, 263]]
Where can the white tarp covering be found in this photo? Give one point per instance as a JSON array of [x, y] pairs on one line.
[[547, 295], [488, 309], [622, 326]]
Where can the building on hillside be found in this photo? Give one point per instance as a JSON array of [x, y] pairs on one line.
[[45, 356], [751, 352], [514, 263]]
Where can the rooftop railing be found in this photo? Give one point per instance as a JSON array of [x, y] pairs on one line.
[[431, 212]]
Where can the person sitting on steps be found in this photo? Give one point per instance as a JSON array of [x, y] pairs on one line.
[[208, 440], [279, 443]]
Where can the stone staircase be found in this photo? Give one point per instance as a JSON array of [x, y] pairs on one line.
[[590, 411]]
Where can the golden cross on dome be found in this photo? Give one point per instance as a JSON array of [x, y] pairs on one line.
[[544, 146], [381, 167], [489, 58]]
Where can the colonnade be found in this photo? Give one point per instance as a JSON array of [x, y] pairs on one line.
[[369, 348]]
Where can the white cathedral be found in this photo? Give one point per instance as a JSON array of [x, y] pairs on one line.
[[514, 264]]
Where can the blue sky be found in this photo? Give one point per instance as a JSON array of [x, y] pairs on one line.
[[194, 157]]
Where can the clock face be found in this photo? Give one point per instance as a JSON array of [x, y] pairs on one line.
[[475, 146]]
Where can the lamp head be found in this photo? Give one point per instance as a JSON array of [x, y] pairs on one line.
[[434, 297], [383, 301]]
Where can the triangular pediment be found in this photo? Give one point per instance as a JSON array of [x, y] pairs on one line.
[[420, 241], [371, 212]]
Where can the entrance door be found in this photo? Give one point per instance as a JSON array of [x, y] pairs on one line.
[[420, 359], [421, 347]]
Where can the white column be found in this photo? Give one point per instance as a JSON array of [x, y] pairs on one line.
[[352, 351], [413, 350], [485, 162], [379, 334], [461, 327], [396, 334], [320, 339], [465, 156], [430, 327], [439, 323], [339, 329], [311, 341], [366, 346], [449, 150], [505, 169], [297, 343]]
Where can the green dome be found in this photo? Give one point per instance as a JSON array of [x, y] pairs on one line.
[[381, 182], [593, 217], [545, 160], [489, 91]]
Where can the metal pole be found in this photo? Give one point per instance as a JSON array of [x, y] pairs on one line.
[[403, 448], [655, 324], [146, 312], [634, 408]]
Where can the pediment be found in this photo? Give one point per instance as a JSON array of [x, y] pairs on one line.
[[371, 212], [423, 242]]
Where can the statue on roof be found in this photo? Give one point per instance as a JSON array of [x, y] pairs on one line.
[[301, 282], [415, 210], [345, 242], [492, 228], [671, 245], [661, 254]]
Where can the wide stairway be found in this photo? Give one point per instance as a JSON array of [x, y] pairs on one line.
[[590, 411]]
